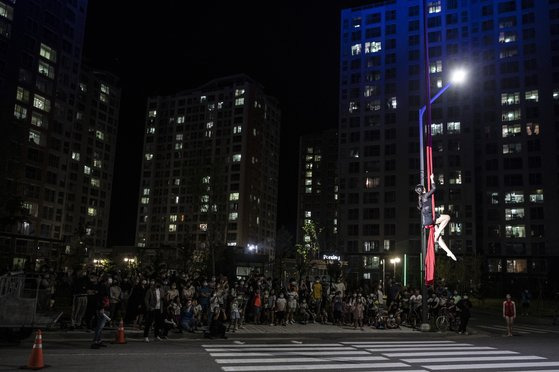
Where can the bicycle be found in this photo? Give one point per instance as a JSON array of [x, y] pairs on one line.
[[447, 320]]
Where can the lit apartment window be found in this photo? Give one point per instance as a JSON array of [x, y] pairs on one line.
[[308, 189], [172, 227], [317, 157], [22, 94], [103, 97], [150, 130], [308, 165], [47, 53], [392, 103], [177, 199], [515, 231], [455, 228], [510, 98], [366, 275], [144, 200], [149, 156], [177, 182], [239, 101], [203, 99], [204, 208], [308, 182], [512, 148], [434, 6], [236, 157], [439, 83], [453, 127], [105, 88], [206, 179], [233, 196], [99, 135], [517, 266], [494, 197], [231, 244], [372, 182], [233, 216], [20, 112], [95, 182], [511, 115], [239, 92], [203, 226], [354, 153], [220, 105], [46, 69], [41, 103], [307, 221], [507, 36], [508, 52], [179, 137], [512, 214], [205, 198], [209, 125], [180, 119], [35, 137], [372, 47], [75, 156], [146, 191], [309, 150], [308, 174], [309, 158], [532, 96], [86, 169], [6, 11], [436, 66], [83, 88], [152, 113], [514, 197], [555, 94], [455, 178], [436, 128], [536, 197], [173, 218], [511, 130], [237, 129], [355, 49], [97, 163], [532, 129], [386, 244], [178, 146], [39, 120], [308, 214], [91, 211]]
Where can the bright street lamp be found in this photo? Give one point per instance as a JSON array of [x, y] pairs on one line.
[[458, 76], [395, 261]]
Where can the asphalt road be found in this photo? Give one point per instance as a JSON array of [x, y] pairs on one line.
[[533, 348]]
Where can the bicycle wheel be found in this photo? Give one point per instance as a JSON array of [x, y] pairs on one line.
[[442, 323]]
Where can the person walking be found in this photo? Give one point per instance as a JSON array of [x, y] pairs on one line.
[[509, 313]]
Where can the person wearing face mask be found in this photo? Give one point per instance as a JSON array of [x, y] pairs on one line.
[[509, 313], [172, 293], [154, 310]]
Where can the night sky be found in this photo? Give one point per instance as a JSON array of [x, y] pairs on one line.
[[291, 47]]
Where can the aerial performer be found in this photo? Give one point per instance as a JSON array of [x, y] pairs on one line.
[[428, 219]]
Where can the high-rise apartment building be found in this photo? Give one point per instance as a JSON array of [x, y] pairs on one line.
[[318, 190], [494, 137], [58, 140], [210, 170]]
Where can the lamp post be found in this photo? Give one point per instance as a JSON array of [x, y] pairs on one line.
[[395, 261], [457, 77]]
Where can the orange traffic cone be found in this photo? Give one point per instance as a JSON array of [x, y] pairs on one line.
[[36, 358], [120, 339]]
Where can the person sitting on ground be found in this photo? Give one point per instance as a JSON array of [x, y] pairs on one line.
[[217, 328], [188, 321]]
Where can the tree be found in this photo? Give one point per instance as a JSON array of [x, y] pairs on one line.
[[307, 252]]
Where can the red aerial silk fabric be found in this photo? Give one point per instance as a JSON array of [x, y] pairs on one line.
[[430, 256]]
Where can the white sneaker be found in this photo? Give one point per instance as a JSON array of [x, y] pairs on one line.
[[146, 339]]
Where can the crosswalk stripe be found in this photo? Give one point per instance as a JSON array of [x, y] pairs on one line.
[[468, 359], [299, 360], [500, 329], [476, 366], [396, 342], [443, 353], [282, 353], [270, 345], [534, 329], [339, 348], [300, 367], [408, 345], [381, 350]]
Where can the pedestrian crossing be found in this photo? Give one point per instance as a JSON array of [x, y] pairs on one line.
[[518, 329], [393, 356]]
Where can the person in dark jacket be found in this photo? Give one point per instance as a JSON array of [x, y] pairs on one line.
[[154, 310], [217, 328], [464, 306], [102, 314]]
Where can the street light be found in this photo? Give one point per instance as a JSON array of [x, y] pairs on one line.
[[395, 261], [457, 76]]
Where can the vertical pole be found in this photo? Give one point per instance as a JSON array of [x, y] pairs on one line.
[[405, 274], [422, 165]]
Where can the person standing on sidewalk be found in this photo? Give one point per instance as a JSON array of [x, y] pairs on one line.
[[509, 313], [464, 306], [79, 305], [154, 310]]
